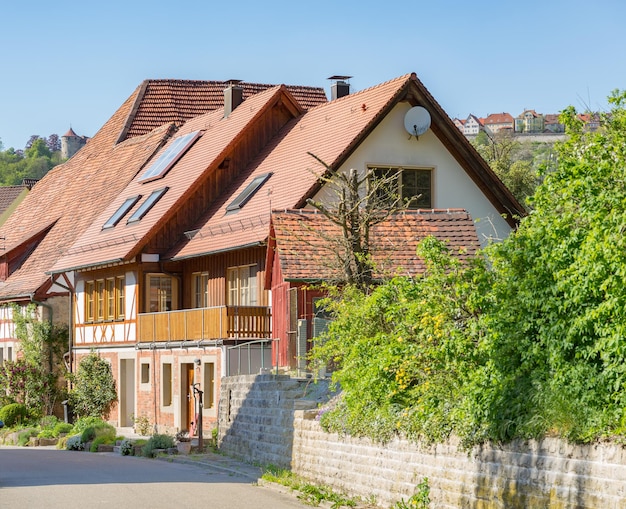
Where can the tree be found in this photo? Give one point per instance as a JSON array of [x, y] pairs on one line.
[[359, 203], [94, 393], [511, 161], [34, 379], [557, 324]]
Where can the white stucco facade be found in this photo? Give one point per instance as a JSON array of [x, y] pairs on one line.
[[390, 145]]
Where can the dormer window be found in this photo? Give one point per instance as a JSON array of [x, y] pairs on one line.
[[169, 157]]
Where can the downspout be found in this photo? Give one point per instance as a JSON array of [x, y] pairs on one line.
[[50, 316]]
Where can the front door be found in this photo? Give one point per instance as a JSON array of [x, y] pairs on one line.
[[189, 407]]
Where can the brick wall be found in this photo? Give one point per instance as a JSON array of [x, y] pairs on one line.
[[262, 420]]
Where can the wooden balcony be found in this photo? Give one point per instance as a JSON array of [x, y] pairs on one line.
[[221, 322]]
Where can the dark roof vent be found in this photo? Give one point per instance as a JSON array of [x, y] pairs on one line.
[[233, 96], [340, 87]]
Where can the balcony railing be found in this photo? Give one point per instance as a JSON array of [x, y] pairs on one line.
[[220, 322]]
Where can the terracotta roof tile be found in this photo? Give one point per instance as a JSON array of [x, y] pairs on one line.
[[98, 246], [8, 194], [307, 242], [71, 196], [177, 101], [328, 131]]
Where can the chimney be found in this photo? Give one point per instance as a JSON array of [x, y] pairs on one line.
[[233, 96], [340, 87]]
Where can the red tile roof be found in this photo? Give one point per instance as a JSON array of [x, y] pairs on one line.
[[309, 245], [8, 194], [70, 197], [330, 131], [499, 118], [97, 246], [177, 101]]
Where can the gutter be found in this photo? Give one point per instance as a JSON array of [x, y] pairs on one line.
[[169, 345]]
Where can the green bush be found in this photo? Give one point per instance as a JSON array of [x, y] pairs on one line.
[[157, 442], [126, 447], [60, 428], [102, 439], [94, 387], [25, 436], [46, 433], [102, 429], [14, 413], [85, 422]]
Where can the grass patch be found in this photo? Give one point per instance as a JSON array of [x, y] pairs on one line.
[[310, 494]]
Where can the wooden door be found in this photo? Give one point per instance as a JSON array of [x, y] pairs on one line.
[[187, 402]]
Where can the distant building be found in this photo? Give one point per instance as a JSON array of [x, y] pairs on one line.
[[529, 121], [471, 126], [71, 143], [552, 124], [498, 121]]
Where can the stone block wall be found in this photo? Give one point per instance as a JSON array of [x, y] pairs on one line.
[[255, 420], [266, 423]]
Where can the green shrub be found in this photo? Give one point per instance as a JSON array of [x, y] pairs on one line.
[[25, 435], [102, 439], [14, 413], [48, 421], [85, 422], [62, 443], [157, 442], [60, 428], [46, 433], [102, 429]]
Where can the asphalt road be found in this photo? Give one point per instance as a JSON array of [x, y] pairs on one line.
[[41, 477]]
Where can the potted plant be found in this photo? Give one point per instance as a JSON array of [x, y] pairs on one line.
[[183, 442]]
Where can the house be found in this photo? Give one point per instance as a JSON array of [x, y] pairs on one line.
[[302, 253], [552, 123], [178, 272], [529, 121], [472, 125], [12, 196], [496, 122], [52, 217]]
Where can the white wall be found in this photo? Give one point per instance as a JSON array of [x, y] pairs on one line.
[[390, 145]]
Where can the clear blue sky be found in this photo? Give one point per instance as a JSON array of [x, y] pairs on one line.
[[74, 63]]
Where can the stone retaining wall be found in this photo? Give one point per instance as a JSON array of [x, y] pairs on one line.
[[268, 424]]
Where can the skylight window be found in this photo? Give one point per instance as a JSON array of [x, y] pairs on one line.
[[150, 201], [121, 212], [247, 193], [169, 157]]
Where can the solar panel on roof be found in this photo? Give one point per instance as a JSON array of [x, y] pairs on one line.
[[150, 201], [169, 157]]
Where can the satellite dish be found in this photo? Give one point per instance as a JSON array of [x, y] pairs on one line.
[[417, 121]]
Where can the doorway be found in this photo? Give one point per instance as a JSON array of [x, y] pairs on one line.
[[188, 407], [127, 392]]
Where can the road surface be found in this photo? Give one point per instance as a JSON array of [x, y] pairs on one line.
[[42, 477]]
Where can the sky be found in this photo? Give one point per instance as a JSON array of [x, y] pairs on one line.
[[72, 64]]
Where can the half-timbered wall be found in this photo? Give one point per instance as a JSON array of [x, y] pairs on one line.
[[106, 331]]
